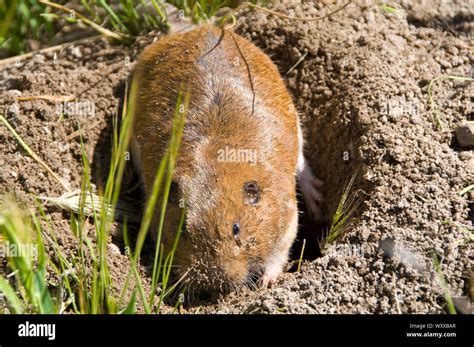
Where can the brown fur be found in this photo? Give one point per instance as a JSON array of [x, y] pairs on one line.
[[237, 99]]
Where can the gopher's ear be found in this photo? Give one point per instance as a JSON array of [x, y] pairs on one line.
[[251, 193]]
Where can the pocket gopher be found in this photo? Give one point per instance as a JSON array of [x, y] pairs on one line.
[[239, 158]]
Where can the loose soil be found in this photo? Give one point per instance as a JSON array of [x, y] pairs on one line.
[[360, 82]]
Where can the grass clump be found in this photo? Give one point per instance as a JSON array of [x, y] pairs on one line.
[[203, 10], [120, 20], [81, 282], [342, 218], [28, 262], [21, 21], [24, 21]]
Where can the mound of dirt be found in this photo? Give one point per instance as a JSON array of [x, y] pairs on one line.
[[361, 88], [359, 80]]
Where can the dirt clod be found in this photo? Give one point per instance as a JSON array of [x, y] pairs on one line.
[[465, 134]]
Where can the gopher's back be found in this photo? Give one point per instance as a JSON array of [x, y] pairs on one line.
[[236, 96]]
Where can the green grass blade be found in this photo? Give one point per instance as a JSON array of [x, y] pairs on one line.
[[169, 260], [466, 190], [444, 286], [132, 305], [13, 299], [177, 132]]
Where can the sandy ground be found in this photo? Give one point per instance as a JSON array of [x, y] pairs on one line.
[[361, 87]]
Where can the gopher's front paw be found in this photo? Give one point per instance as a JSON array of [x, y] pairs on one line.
[[311, 189], [267, 281]]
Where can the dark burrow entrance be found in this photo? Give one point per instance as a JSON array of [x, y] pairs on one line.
[[310, 234]]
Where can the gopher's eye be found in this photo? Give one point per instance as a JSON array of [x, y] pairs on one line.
[[251, 193], [173, 196], [236, 229]]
